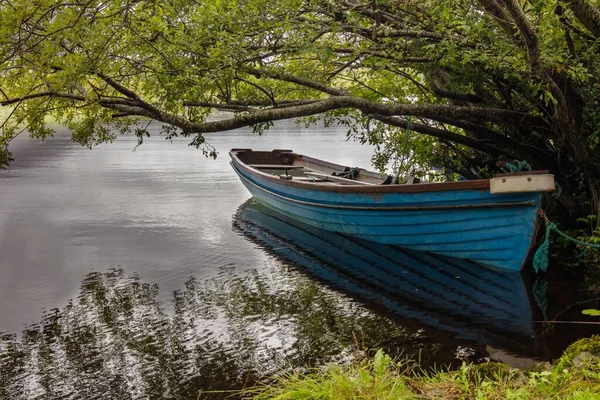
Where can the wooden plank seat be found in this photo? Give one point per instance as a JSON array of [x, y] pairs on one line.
[[337, 178], [309, 179], [275, 166]]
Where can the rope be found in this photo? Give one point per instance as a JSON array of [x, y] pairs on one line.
[[518, 166], [352, 174], [540, 259], [558, 190]]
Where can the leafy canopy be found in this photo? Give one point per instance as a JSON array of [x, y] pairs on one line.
[[480, 79]]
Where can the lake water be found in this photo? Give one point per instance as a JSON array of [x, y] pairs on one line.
[[150, 274]]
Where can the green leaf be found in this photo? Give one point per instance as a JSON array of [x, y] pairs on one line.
[[380, 363], [326, 55], [592, 312]]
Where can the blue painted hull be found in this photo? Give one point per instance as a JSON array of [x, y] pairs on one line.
[[481, 305], [456, 223]]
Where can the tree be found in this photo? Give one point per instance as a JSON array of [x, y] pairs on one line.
[[476, 80]]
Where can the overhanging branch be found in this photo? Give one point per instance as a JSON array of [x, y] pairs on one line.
[[431, 111], [297, 80], [15, 100], [445, 135], [134, 106], [587, 14]]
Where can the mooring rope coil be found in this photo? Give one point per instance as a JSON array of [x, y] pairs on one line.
[[540, 259]]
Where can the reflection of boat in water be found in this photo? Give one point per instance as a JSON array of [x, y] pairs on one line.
[[477, 305]]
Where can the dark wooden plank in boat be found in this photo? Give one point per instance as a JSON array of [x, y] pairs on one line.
[[338, 178], [319, 181], [275, 166], [309, 179]]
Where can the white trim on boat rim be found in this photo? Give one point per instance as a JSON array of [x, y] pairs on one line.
[[522, 183]]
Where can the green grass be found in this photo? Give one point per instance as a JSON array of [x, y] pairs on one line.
[[576, 375], [375, 380]]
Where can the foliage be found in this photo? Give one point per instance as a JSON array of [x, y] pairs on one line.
[[374, 380], [576, 375], [481, 79], [591, 311]]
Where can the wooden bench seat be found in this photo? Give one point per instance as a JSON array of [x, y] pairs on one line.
[[338, 178], [275, 166]]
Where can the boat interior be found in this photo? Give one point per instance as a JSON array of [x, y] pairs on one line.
[[293, 166]]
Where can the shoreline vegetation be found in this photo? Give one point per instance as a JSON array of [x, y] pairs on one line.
[[575, 375]]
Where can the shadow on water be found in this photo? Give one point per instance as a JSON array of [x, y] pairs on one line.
[[319, 298]]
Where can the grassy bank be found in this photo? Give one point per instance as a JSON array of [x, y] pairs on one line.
[[576, 375]]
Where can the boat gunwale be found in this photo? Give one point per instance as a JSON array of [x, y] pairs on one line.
[[478, 184], [447, 207]]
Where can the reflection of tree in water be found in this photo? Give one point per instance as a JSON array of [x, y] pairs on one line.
[[118, 341]]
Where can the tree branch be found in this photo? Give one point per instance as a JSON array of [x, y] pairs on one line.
[[493, 9], [370, 108], [297, 80], [406, 33], [587, 14], [236, 105], [117, 86], [8, 102], [445, 135], [263, 90], [220, 106], [517, 147], [527, 33], [466, 97]]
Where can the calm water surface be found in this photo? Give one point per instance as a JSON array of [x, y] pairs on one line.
[[148, 274]]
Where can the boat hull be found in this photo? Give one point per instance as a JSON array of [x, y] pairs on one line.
[[493, 229]]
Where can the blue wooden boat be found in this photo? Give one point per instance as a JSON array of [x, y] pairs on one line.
[[453, 297], [490, 221]]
